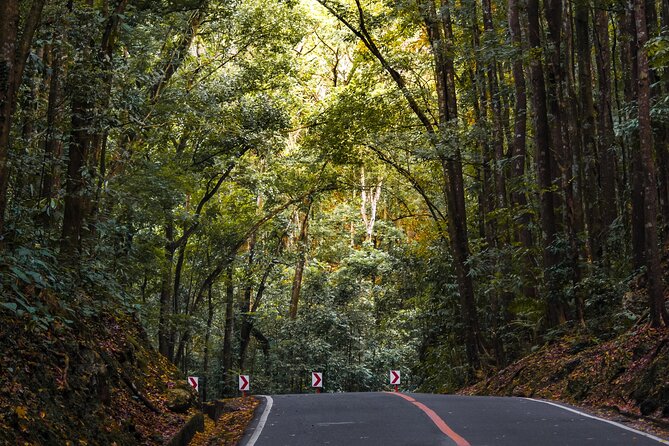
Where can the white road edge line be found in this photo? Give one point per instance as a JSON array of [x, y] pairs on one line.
[[622, 426], [263, 420]]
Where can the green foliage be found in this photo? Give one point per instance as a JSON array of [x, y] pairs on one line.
[[247, 137]]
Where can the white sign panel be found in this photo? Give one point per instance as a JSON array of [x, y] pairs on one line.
[[193, 381], [244, 382], [316, 379], [394, 377]]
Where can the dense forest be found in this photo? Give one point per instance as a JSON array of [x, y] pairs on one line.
[[280, 186]]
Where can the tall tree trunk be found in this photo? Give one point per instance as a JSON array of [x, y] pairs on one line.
[[629, 60], [658, 312], [519, 149], [587, 127], [245, 307], [15, 44], [165, 327], [53, 144], [607, 157], [177, 306], [544, 161], [207, 338], [77, 194], [228, 332], [248, 321], [369, 195], [496, 111], [661, 143], [302, 249], [440, 35], [573, 166], [87, 138]]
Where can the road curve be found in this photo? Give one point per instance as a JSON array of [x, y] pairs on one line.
[[352, 419]]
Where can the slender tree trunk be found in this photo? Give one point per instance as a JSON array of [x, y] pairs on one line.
[[519, 149], [658, 312], [248, 321], [369, 195], [663, 135], [177, 306], [607, 158], [207, 337], [166, 347], [629, 55], [573, 165], [15, 44], [544, 161], [587, 127], [496, 111], [441, 38], [228, 333], [76, 186], [302, 249], [245, 308], [53, 144], [87, 138]]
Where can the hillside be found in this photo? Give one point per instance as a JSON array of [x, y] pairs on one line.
[[84, 376], [628, 374]]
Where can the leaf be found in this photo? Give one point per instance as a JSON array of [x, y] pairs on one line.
[[20, 274], [9, 305], [21, 412]]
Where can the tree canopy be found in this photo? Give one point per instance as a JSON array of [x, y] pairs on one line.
[[284, 186]]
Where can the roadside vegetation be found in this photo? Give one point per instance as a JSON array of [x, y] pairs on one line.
[[277, 187]]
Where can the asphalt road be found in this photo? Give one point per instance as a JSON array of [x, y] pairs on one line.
[[384, 419]]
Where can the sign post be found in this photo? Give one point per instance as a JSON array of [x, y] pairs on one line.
[[395, 379], [194, 383], [244, 383], [317, 381]]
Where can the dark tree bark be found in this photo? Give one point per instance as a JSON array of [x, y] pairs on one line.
[[496, 110], [544, 161], [15, 44], [207, 338], [662, 147], [628, 55], [86, 138], [658, 311], [166, 347], [519, 147], [607, 161], [77, 192], [245, 307], [587, 127], [441, 38], [573, 166], [53, 144], [248, 314], [170, 65], [302, 250], [228, 332]]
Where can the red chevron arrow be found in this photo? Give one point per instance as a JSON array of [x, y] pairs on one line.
[[395, 378], [243, 383], [193, 382], [316, 379]]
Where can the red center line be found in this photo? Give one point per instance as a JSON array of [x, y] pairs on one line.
[[436, 419]]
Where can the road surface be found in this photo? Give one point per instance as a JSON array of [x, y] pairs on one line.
[[385, 419]]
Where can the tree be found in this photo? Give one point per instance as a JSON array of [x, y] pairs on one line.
[[15, 41]]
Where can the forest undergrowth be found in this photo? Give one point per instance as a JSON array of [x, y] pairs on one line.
[[84, 377], [625, 378]]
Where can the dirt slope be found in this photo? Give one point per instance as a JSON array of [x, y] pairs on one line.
[[629, 374], [83, 377]]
